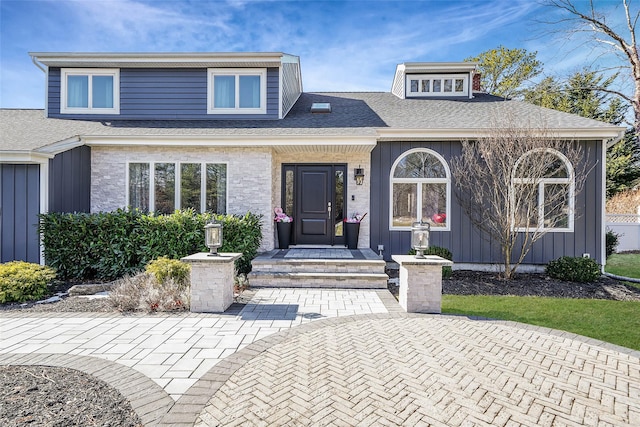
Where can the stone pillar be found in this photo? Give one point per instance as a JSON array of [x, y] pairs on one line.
[[211, 281], [421, 283]]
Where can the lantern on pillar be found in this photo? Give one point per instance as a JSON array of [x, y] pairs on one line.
[[420, 237], [213, 237]]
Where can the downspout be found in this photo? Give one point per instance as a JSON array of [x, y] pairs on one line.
[[37, 64], [44, 167], [45, 70], [603, 231]]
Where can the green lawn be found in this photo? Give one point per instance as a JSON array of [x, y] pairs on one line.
[[617, 322], [627, 265]]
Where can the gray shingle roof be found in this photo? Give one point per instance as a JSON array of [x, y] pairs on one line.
[[353, 114]]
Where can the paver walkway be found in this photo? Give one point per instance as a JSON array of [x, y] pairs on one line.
[[429, 370], [384, 368], [175, 351]]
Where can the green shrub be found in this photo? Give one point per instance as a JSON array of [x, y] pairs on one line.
[[242, 234], [164, 269], [445, 253], [86, 246], [611, 242], [574, 269], [22, 281], [111, 245]]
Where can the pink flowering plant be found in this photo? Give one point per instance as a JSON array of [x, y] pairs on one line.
[[356, 217], [281, 216]]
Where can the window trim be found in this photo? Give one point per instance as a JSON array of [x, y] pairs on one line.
[[90, 72], [178, 179], [442, 78], [237, 72], [446, 180], [569, 180]]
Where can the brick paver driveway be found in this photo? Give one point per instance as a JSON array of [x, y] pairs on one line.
[[396, 369]]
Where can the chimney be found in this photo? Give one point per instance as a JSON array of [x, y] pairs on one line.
[[476, 82]]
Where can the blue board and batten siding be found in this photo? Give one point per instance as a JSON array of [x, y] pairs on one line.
[[70, 181], [164, 94], [464, 241], [19, 209]]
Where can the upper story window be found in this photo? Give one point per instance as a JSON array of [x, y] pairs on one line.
[[421, 85], [543, 192], [420, 190], [90, 91], [237, 91]]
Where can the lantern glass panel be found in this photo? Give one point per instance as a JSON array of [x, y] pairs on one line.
[[420, 236]]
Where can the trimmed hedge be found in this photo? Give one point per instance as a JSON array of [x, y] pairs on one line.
[[574, 269], [110, 245]]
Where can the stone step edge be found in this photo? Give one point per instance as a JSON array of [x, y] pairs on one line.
[[292, 268], [258, 261], [340, 276]]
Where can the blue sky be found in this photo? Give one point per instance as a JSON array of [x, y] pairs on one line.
[[343, 45]]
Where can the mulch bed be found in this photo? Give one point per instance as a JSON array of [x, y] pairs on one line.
[[60, 397], [52, 396], [465, 282]]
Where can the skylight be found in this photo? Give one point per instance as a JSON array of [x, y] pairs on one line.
[[321, 107]]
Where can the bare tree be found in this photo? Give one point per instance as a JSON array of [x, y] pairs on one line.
[[583, 17], [516, 183]]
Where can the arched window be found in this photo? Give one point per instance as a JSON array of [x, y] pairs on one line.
[[543, 192], [420, 190]]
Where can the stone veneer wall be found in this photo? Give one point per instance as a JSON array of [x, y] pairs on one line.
[[353, 160], [249, 177]]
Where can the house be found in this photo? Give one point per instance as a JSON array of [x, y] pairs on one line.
[[235, 132]]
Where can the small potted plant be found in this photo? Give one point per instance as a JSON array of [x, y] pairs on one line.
[[352, 229], [283, 227]]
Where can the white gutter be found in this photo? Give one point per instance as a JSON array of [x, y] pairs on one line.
[[145, 59], [37, 64], [227, 140], [386, 134], [24, 156]]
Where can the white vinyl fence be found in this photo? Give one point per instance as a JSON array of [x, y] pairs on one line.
[[628, 228]]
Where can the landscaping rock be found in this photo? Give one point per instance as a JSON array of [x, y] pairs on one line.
[[89, 289]]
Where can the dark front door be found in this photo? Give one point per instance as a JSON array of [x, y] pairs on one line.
[[314, 205], [315, 196]]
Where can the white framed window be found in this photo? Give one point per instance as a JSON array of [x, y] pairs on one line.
[[420, 182], [424, 85], [163, 187], [237, 91], [543, 192], [90, 91]]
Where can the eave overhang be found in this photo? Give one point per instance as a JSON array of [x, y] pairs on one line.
[[163, 60], [24, 157], [279, 143], [387, 134], [437, 67]]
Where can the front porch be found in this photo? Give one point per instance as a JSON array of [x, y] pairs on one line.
[[319, 267]]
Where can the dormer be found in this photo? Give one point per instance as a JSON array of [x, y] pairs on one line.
[[435, 80], [170, 86]]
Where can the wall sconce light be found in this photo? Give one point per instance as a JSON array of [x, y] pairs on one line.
[[358, 174], [420, 237], [213, 237]]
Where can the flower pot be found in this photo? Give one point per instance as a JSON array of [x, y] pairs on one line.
[[352, 231], [284, 234]]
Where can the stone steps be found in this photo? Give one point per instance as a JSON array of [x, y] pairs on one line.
[[360, 269]]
